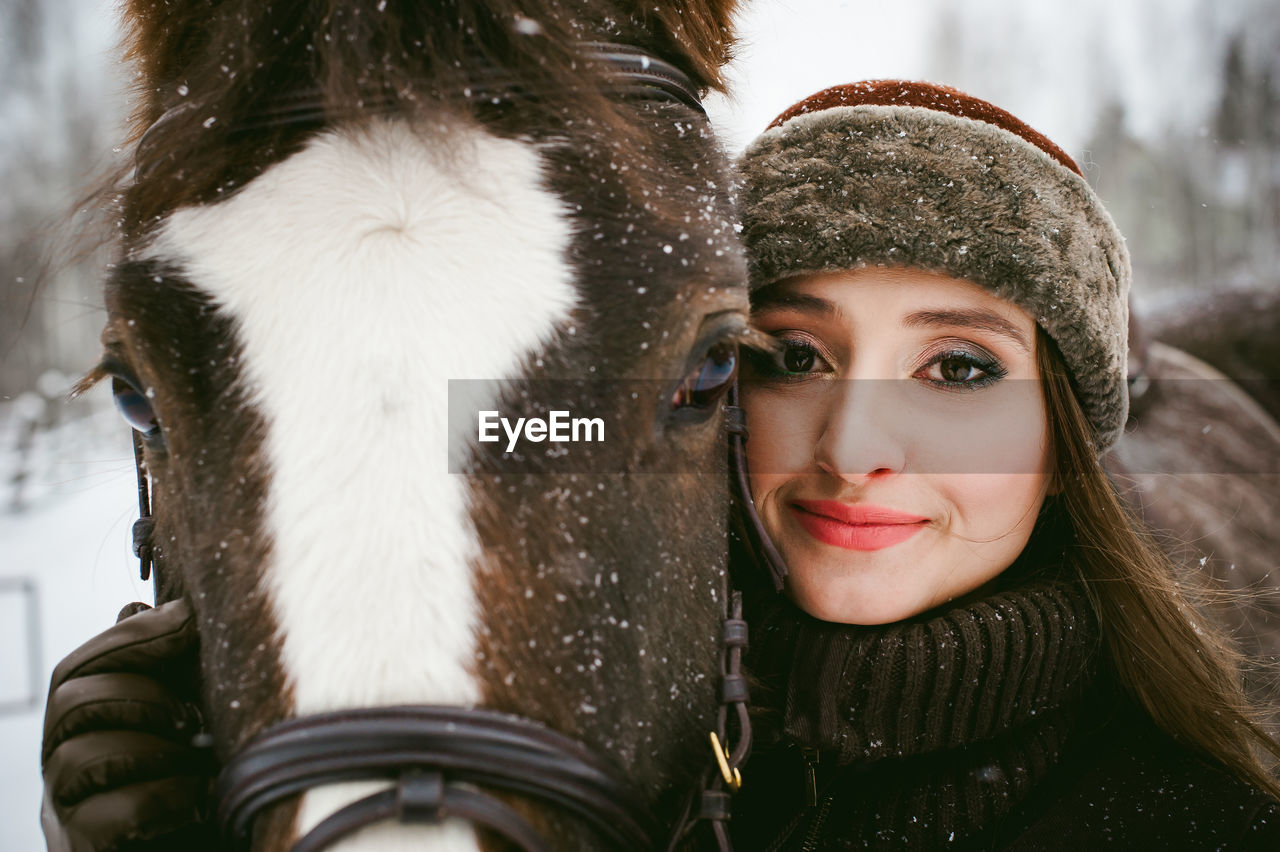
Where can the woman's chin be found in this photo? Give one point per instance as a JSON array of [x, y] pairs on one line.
[[855, 606]]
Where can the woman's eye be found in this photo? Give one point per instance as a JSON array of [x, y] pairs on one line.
[[704, 386], [134, 407], [793, 359], [798, 357], [959, 370], [963, 369]]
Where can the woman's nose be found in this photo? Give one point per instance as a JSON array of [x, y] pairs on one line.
[[861, 437]]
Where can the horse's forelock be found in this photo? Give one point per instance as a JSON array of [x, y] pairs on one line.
[[224, 67]]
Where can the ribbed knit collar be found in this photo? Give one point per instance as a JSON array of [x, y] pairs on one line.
[[941, 725], [960, 677]]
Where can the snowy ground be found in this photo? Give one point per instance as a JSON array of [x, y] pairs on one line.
[[65, 570]]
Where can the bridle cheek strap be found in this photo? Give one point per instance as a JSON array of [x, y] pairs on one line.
[[746, 519], [144, 528], [724, 776]]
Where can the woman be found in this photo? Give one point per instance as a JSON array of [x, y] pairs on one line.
[[977, 647]]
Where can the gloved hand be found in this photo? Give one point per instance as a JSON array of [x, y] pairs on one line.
[[126, 763]]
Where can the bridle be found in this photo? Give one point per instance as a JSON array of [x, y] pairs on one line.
[[443, 761]]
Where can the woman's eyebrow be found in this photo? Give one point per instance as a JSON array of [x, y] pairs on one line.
[[794, 302], [968, 318]]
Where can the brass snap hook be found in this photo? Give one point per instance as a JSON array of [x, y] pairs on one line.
[[732, 777]]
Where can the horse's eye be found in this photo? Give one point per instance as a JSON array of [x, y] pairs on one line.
[[704, 386], [135, 407]]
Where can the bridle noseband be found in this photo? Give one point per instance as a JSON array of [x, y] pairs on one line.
[[442, 761]]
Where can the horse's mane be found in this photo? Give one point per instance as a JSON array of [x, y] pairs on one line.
[[235, 61]]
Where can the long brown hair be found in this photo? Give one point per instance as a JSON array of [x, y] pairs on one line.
[[1165, 653]]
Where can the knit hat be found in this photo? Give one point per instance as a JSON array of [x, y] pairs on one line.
[[894, 173]]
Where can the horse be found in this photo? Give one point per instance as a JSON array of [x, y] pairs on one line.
[[1236, 331], [345, 222], [1200, 463]]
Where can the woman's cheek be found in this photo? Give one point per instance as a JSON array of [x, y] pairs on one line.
[[989, 464], [997, 431], [783, 430]]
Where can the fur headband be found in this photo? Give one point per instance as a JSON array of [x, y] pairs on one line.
[[890, 173]]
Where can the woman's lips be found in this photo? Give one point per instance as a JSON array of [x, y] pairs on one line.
[[857, 526]]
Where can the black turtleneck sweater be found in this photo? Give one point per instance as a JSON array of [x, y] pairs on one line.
[[990, 725]]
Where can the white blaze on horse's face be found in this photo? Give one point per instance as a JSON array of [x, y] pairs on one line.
[[361, 274]]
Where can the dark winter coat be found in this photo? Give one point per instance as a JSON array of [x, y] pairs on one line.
[[989, 726]]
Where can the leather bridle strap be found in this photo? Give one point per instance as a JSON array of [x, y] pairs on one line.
[[632, 71], [438, 758], [723, 778], [144, 528], [762, 546]]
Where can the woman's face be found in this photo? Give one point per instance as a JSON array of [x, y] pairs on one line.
[[898, 447]]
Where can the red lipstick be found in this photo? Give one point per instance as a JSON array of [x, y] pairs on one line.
[[856, 526]]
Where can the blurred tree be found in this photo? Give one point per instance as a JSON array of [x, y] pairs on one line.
[[1247, 125], [1201, 207], [59, 106]]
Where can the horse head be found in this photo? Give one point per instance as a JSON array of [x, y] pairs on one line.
[[348, 223]]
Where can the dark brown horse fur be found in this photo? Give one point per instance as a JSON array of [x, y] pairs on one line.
[[1200, 463], [1236, 331], [637, 573]]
